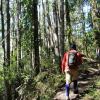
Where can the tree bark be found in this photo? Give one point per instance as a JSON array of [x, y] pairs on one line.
[[19, 65], [7, 55], [96, 24], [3, 44], [46, 42], [36, 38], [84, 33], [55, 14], [61, 27], [49, 34]]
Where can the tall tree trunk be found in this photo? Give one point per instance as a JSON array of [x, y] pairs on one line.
[[8, 35], [7, 56], [19, 66], [84, 33], [2, 25], [61, 27], [68, 21], [49, 28], [96, 24], [55, 14], [44, 27], [32, 57], [3, 43], [35, 34], [57, 45]]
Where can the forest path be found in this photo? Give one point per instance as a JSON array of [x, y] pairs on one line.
[[85, 79]]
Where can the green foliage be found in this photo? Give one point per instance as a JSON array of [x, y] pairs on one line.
[[93, 90], [42, 86], [46, 62], [47, 81], [1, 79]]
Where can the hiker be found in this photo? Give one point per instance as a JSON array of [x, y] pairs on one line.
[[70, 65]]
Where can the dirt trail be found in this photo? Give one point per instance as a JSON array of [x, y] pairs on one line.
[[84, 81]]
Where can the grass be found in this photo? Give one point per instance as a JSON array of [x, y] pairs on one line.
[[1, 79], [93, 90]]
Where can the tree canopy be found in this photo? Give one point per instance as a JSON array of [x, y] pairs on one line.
[[34, 34]]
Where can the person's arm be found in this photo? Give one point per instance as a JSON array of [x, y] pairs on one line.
[[64, 65], [80, 58], [63, 62]]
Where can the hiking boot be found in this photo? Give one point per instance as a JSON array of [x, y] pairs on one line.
[[76, 91], [67, 98], [75, 85]]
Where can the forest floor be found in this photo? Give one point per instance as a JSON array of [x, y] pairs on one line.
[[89, 85]]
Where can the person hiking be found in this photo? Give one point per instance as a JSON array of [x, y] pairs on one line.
[[70, 65]]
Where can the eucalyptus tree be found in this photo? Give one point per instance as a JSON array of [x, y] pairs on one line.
[[68, 21], [96, 24], [18, 35], [2, 27], [61, 27], [5, 17], [36, 36], [44, 22], [7, 52], [84, 26], [56, 25], [49, 27], [3, 42]]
